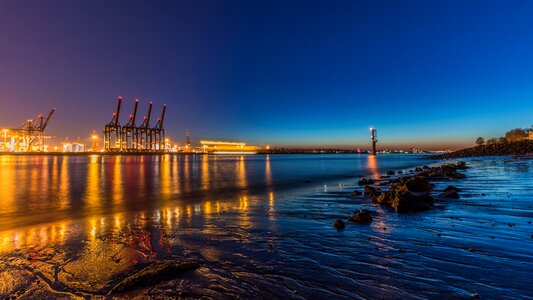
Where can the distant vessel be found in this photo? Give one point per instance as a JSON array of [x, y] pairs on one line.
[[224, 147]]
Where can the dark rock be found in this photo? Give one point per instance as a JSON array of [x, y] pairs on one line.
[[418, 185], [400, 172], [154, 273], [339, 224], [449, 195], [390, 172], [356, 193], [460, 165], [362, 216], [370, 190], [412, 202], [385, 198], [425, 167], [384, 177], [451, 188], [418, 169], [472, 249], [365, 181], [423, 175], [375, 194], [459, 175]]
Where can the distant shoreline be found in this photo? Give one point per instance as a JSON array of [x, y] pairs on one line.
[[180, 153], [523, 147]]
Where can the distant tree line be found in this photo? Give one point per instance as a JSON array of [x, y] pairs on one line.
[[516, 134]]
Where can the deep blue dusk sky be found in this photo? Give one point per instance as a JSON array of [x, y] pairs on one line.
[[274, 72]]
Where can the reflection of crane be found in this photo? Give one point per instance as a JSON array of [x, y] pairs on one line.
[[30, 135], [374, 140]]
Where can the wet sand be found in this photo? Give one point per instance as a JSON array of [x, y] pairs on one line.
[[270, 242]]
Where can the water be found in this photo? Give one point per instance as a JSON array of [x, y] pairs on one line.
[[44, 188], [260, 226]]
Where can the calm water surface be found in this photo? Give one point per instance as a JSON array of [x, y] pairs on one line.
[[260, 226]]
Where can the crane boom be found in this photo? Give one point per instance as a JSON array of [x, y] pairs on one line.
[[147, 119], [162, 116], [48, 118], [117, 114], [134, 112]]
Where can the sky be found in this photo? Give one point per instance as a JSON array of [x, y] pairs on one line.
[[426, 74]]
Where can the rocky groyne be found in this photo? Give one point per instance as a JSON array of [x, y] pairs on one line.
[[407, 193]]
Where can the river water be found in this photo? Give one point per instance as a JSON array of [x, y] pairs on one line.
[[260, 227]]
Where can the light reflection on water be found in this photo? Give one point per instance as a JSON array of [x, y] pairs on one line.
[[114, 212], [55, 190]]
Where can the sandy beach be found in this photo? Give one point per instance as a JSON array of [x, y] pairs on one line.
[[275, 239]]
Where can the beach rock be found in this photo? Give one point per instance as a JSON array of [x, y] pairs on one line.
[[451, 188], [412, 202], [459, 175], [425, 167], [154, 273], [369, 190], [356, 193], [449, 195], [390, 172], [362, 216], [365, 181], [400, 172], [339, 224], [385, 198], [417, 184], [461, 165], [418, 169]]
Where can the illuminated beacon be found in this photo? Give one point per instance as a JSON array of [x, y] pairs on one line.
[[373, 135]]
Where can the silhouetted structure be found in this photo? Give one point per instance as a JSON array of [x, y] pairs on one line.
[[133, 138], [29, 137], [188, 146], [374, 140]]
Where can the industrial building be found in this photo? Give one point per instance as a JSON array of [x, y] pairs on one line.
[[73, 147], [28, 137]]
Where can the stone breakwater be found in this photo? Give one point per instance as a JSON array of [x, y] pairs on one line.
[[407, 194]]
